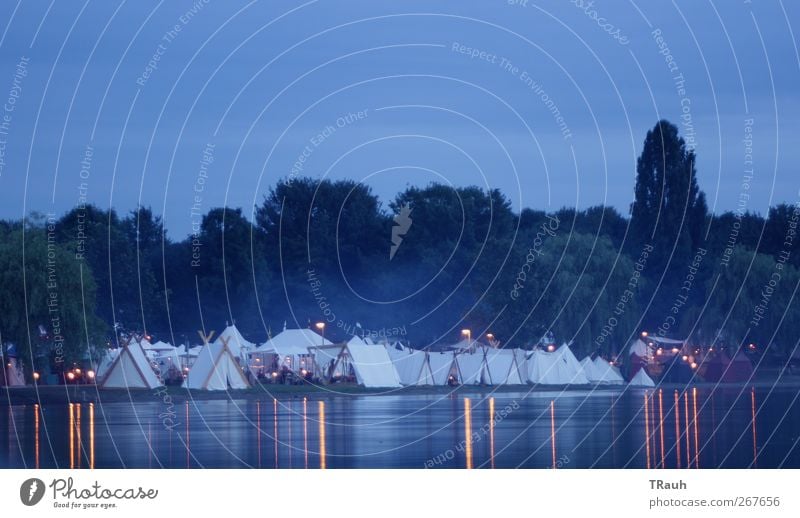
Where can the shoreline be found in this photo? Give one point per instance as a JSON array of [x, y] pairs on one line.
[[64, 394]]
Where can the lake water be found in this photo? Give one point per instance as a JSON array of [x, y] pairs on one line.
[[700, 428]]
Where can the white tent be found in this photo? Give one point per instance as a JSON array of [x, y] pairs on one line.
[[639, 348], [606, 374], [443, 365], [463, 345], [547, 368], [131, 369], [590, 370], [237, 344], [216, 369], [371, 363], [472, 368], [14, 376], [411, 365], [503, 367], [292, 346], [572, 366], [641, 379]]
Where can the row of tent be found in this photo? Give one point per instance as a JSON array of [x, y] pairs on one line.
[[222, 364]]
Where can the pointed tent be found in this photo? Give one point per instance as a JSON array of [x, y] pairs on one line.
[[472, 368], [590, 370], [237, 344], [443, 365], [607, 374], [641, 379], [131, 369], [503, 367], [547, 368], [572, 366], [371, 364], [216, 369], [412, 366]]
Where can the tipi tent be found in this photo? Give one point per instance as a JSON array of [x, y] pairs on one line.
[[606, 374], [130, 368], [443, 367], [412, 366], [371, 363], [502, 366], [572, 366], [590, 370], [216, 369], [237, 344], [641, 379]]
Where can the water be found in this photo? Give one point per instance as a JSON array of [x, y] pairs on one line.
[[700, 428]]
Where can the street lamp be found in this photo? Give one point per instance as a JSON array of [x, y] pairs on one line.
[[644, 334], [321, 327], [468, 334]]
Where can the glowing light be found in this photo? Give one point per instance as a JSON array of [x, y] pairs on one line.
[[685, 358], [322, 452], [90, 374], [675, 350], [644, 334], [694, 365], [468, 432], [36, 376], [258, 360], [752, 347], [274, 374], [320, 325], [551, 348], [659, 351], [303, 372], [70, 376]]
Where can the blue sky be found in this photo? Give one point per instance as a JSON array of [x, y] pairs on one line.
[[257, 83]]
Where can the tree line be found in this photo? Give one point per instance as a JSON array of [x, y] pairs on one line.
[[321, 251]]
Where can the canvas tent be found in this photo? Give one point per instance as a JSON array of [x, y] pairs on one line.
[[572, 366], [370, 364], [411, 365], [590, 370], [292, 347], [606, 374], [443, 367], [472, 368], [238, 346], [216, 369], [502, 366], [641, 379], [130, 368], [545, 369]]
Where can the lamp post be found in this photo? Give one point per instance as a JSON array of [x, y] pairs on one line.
[[321, 327], [468, 334]]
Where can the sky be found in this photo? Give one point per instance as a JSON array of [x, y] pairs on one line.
[[187, 105]]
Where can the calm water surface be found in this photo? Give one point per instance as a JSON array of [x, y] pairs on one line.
[[699, 428]]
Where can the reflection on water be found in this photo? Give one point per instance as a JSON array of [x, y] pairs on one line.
[[626, 428]]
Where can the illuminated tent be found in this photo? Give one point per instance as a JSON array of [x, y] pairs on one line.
[[503, 368], [641, 379], [545, 368], [443, 367], [292, 347], [216, 368], [472, 368], [131, 369], [606, 374], [237, 344], [639, 348], [411, 365]]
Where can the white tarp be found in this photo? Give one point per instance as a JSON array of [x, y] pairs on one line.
[[641, 379], [131, 369], [215, 369], [371, 363], [502, 367], [442, 367], [606, 374], [411, 365], [472, 368]]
